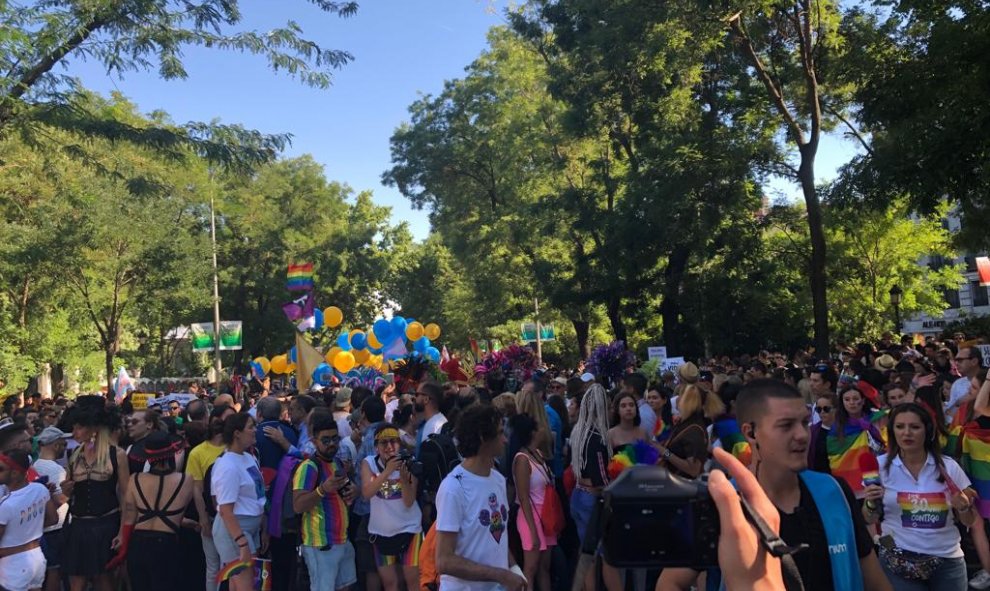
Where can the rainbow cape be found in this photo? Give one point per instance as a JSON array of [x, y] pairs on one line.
[[630, 455], [661, 431], [727, 431], [975, 461], [300, 277], [850, 458]]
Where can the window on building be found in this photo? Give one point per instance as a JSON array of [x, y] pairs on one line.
[[970, 263], [936, 262], [951, 297], [980, 297]]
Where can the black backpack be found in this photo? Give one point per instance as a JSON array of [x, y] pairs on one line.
[[439, 456]]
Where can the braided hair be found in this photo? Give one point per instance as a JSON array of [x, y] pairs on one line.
[[592, 419]]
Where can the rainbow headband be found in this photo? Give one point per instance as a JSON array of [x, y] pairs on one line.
[[386, 434]]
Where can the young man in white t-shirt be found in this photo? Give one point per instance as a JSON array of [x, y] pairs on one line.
[[473, 511], [24, 513], [51, 447]]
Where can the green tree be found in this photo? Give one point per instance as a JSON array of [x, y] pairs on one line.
[[133, 35]]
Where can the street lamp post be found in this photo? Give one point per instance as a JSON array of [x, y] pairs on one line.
[[895, 300]]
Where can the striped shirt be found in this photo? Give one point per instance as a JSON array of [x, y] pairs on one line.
[[325, 524]]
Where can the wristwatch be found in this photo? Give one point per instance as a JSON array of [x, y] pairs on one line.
[[666, 454]]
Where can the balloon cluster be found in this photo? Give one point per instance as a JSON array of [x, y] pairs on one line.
[[373, 348]]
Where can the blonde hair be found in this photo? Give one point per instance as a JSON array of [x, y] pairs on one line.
[[693, 400], [505, 404], [593, 418], [529, 403], [101, 464]]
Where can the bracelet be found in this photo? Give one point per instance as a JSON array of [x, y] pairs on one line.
[[871, 506], [319, 490], [244, 545], [240, 537], [667, 454]]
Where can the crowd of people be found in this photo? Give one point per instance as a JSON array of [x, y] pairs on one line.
[[874, 462]]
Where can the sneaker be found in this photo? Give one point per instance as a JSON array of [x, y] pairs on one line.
[[980, 581]]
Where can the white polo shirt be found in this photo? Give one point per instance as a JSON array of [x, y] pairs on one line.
[[918, 513]]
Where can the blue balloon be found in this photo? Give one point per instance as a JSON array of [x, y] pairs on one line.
[[421, 344], [375, 351], [342, 342], [318, 316], [398, 327], [359, 341], [382, 330], [292, 354], [434, 354], [323, 374]]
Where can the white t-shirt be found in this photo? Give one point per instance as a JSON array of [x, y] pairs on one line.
[[389, 514], [56, 475], [22, 513], [390, 408], [433, 425], [477, 510], [343, 423], [237, 479], [959, 390], [918, 514]]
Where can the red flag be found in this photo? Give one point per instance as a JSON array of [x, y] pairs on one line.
[[983, 269]]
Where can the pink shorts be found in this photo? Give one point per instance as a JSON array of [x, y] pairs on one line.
[[524, 533]]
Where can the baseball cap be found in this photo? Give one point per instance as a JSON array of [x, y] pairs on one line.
[[343, 398], [561, 381], [50, 435], [587, 377]]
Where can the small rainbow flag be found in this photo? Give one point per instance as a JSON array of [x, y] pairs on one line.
[[850, 458], [975, 462], [952, 443], [232, 569], [879, 420], [733, 441], [300, 277]]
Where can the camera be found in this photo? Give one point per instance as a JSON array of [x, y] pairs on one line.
[[414, 466], [652, 518]]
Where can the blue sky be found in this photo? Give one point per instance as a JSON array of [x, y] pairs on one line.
[[402, 49]]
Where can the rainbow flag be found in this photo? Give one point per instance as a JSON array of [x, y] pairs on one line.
[[850, 458], [975, 462], [727, 431], [262, 572], [879, 420], [300, 277], [952, 444], [232, 569], [661, 431]]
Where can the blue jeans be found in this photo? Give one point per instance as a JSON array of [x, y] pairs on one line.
[[330, 569], [582, 506], [949, 576]]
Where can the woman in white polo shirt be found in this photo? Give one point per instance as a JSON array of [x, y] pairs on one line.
[[920, 497]]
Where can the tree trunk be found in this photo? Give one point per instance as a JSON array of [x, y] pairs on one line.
[[816, 271], [581, 329], [615, 317], [670, 306], [108, 352]]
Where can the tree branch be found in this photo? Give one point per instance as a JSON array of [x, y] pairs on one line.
[[852, 129], [776, 96]]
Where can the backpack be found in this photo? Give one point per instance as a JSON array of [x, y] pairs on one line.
[[439, 456], [209, 501]]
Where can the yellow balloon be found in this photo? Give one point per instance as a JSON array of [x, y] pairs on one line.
[[331, 354], [361, 356], [290, 368], [414, 331], [373, 340], [279, 363], [344, 361], [332, 317], [266, 365], [432, 331]]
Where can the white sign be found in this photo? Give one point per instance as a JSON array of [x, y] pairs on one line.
[[656, 353], [985, 351], [671, 364]]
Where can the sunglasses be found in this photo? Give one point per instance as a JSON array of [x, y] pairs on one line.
[[821, 409], [333, 440]]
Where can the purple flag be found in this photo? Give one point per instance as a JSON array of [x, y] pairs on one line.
[[301, 307]]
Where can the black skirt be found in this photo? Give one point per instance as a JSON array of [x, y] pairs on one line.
[[87, 545]]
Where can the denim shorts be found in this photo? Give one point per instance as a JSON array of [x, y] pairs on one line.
[[227, 548], [332, 568], [52, 543]]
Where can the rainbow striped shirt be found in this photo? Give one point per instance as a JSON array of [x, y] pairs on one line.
[[326, 523]]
